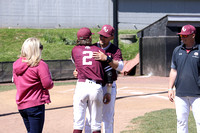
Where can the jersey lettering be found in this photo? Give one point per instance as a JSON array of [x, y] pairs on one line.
[[87, 57]]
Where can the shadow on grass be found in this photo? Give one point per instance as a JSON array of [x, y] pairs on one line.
[[70, 106]]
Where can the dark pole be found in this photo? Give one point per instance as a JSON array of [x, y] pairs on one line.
[[115, 21], [140, 52]]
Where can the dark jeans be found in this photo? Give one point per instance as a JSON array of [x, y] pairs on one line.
[[33, 118]]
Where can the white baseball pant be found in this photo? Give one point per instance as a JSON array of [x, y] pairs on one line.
[[108, 112], [88, 94], [182, 111]]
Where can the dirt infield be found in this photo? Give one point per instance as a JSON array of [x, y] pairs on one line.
[[136, 95]]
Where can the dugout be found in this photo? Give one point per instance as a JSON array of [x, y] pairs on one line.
[[158, 40]]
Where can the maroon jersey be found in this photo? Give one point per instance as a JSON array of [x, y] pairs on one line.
[[115, 53], [86, 65]]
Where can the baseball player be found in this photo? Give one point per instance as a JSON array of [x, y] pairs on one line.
[[88, 92], [114, 58]]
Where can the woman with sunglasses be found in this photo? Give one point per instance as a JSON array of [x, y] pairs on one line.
[[184, 75], [33, 80]]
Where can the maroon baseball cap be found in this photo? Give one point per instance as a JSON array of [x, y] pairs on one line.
[[84, 33], [187, 30], [107, 31]]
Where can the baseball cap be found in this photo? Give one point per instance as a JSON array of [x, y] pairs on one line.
[[84, 33], [107, 31], [187, 30]]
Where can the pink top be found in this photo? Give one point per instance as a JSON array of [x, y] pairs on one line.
[[32, 84]]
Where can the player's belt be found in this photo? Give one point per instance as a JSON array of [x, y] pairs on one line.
[[89, 80]]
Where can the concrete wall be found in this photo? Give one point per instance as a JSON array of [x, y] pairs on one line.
[[55, 13], [133, 14]]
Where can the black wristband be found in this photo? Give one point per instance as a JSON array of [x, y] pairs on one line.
[[109, 59], [109, 77]]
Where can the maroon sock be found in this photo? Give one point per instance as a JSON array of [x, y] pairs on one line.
[[77, 131]]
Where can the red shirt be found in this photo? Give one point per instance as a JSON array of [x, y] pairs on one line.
[[86, 65]]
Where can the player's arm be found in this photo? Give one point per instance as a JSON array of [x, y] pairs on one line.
[[172, 78], [109, 79], [108, 75], [75, 73], [115, 64]]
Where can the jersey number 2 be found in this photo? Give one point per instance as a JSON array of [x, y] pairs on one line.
[[87, 57]]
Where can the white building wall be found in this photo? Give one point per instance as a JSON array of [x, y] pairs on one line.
[[133, 14], [55, 13]]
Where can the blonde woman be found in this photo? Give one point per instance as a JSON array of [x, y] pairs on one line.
[[32, 79]]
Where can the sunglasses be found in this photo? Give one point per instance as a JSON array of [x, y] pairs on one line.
[[103, 36], [184, 36], [41, 46]]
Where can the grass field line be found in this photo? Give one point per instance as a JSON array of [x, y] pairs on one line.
[[161, 88], [142, 94], [162, 97], [122, 88], [65, 91], [147, 76], [156, 95]]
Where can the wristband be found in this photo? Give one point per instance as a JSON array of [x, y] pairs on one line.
[[109, 59], [170, 89]]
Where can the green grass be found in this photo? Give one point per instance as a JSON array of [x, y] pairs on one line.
[[162, 121], [64, 83], [12, 86], [129, 51], [7, 87], [58, 43]]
